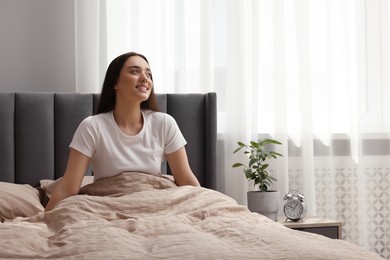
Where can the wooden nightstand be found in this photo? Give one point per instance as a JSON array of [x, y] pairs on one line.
[[326, 227]]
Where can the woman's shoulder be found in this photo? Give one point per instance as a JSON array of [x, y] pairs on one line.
[[95, 120], [101, 116], [157, 116]]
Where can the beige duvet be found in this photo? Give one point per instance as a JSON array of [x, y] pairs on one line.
[[140, 216]]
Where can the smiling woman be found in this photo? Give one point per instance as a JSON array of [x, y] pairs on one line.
[[127, 134]]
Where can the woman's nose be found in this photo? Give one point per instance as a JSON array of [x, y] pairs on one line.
[[143, 78]]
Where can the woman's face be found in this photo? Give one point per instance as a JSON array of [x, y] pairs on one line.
[[135, 80]]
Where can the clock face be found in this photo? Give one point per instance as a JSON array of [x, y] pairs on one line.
[[294, 209]]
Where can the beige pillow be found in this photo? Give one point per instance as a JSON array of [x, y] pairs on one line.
[[18, 200]]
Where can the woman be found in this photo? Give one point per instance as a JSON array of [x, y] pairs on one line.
[[126, 134]]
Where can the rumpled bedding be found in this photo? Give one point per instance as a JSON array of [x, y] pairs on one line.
[[143, 216]]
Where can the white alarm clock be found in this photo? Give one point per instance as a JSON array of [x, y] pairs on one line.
[[294, 205]]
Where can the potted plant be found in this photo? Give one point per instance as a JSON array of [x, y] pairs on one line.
[[263, 201]]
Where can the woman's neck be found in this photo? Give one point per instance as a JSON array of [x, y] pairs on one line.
[[129, 118]]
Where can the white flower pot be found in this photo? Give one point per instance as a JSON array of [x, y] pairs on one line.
[[265, 203]]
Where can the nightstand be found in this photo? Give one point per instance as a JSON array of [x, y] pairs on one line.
[[326, 227]]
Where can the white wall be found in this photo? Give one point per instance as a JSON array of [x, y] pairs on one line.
[[37, 45]]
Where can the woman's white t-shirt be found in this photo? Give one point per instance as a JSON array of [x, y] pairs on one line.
[[113, 152]]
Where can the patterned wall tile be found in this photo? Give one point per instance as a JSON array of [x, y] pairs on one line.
[[357, 196]]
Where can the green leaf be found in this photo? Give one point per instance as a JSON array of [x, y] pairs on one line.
[[252, 161], [272, 178], [263, 187], [275, 153], [238, 149], [248, 173], [237, 165], [269, 141]]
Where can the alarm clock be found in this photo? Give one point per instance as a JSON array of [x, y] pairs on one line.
[[294, 206]]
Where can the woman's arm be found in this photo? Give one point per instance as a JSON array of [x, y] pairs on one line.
[[70, 184], [181, 171]]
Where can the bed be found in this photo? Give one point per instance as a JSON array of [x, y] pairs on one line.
[[132, 215]]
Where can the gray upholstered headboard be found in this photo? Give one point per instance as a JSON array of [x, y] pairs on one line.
[[36, 130]]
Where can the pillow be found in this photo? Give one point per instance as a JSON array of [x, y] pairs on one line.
[[18, 200], [48, 186]]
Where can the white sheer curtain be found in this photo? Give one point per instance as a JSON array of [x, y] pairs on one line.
[[90, 45], [313, 74]]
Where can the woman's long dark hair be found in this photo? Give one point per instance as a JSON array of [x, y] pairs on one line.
[[107, 96]]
